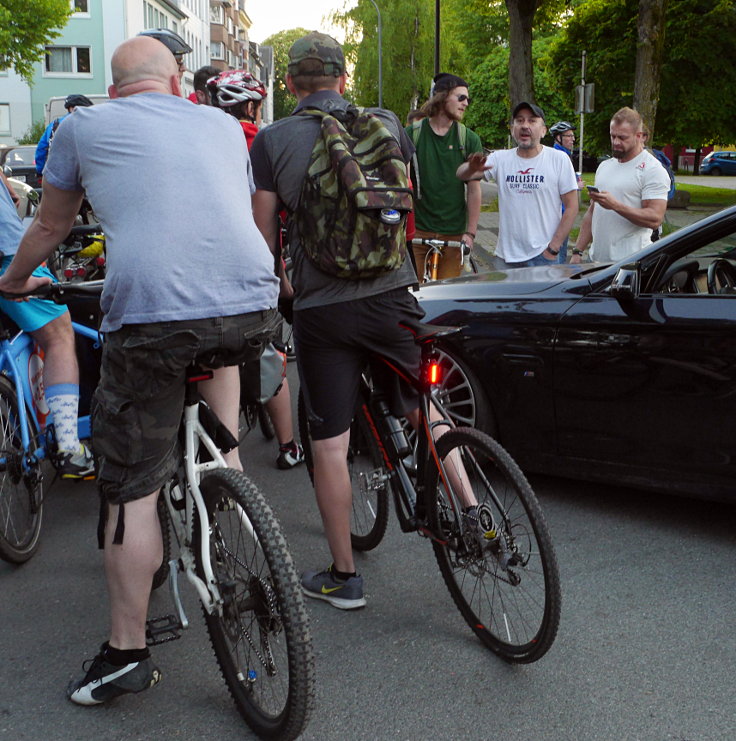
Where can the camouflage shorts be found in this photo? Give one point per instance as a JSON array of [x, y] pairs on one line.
[[140, 398]]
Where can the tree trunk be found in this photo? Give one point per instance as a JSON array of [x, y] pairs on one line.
[[521, 76], [651, 25]]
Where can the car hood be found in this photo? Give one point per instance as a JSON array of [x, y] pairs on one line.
[[517, 281]]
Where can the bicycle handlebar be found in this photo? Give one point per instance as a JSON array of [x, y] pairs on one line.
[[60, 293]]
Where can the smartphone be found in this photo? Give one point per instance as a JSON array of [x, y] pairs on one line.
[[592, 189]]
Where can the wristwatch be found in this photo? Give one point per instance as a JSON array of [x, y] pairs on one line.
[[576, 251], [552, 252]]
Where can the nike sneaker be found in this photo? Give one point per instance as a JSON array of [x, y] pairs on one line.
[[345, 595]]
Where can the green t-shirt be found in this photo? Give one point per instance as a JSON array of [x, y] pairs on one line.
[[441, 207]]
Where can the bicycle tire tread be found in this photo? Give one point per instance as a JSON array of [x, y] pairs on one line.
[[291, 721]]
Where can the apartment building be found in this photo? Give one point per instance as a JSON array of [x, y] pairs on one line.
[[78, 61]]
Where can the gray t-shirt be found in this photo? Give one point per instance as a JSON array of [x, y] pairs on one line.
[[280, 155], [169, 182]]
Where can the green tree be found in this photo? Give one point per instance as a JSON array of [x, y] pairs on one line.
[[26, 26], [283, 101], [407, 53], [697, 67]]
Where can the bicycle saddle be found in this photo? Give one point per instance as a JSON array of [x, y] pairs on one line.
[[426, 333]]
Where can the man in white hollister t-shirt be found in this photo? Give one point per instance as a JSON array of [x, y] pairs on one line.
[[533, 180], [631, 199]]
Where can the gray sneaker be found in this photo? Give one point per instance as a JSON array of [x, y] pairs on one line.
[[345, 595], [104, 681]]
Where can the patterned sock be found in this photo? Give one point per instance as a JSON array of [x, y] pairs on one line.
[[63, 401]]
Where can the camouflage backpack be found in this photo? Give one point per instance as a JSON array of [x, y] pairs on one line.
[[353, 204]]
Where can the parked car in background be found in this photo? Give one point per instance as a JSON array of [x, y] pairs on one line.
[[718, 163], [22, 161], [28, 196], [620, 372]]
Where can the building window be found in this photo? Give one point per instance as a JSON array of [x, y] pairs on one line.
[[217, 14], [216, 49], [79, 6], [68, 60], [4, 118]]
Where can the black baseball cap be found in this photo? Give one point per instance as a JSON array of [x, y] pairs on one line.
[[533, 107]]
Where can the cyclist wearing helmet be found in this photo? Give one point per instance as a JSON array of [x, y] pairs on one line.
[[71, 103], [563, 136], [240, 94], [173, 42]]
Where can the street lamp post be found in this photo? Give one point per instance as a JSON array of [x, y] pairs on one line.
[[380, 57]]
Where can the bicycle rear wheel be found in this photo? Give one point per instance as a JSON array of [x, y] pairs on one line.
[[368, 476], [261, 635], [498, 563], [21, 486]]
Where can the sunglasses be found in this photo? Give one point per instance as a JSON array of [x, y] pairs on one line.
[[463, 97]]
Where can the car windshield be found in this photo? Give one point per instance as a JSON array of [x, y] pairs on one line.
[[21, 156]]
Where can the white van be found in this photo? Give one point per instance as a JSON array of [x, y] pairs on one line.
[[55, 107]]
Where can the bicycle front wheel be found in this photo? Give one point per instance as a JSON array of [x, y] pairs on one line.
[[368, 477], [21, 486], [497, 560], [261, 634]]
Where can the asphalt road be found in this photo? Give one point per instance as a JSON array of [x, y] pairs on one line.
[[646, 649]]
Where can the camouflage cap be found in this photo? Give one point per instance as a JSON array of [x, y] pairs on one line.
[[321, 47]]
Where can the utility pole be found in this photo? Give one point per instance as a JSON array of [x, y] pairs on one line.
[[380, 57], [582, 115], [436, 37]]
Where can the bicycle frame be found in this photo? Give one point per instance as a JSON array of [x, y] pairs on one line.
[[409, 496], [16, 358], [197, 435], [436, 250]]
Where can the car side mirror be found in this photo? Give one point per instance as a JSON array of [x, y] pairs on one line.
[[625, 286], [7, 171]]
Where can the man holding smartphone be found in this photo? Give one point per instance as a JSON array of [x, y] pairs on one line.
[[629, 198], [534, 181]]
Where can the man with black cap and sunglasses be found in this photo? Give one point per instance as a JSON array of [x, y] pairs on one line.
[[443, 142], [533, 180]]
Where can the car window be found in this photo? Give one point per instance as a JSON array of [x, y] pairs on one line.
[[21, 156]]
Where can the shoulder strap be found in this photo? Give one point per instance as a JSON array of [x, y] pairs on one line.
[[462, 135], [416, 130]]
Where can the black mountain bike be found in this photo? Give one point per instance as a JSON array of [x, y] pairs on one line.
[[463, 492]]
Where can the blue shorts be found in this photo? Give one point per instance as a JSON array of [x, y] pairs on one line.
[[36, 313]]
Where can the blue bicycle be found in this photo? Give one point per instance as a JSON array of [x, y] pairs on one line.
[[26, 441]]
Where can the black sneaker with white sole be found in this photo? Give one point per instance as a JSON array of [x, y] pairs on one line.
[[104, 681]]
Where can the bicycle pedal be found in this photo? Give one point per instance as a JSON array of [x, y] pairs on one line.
[[163, 630]]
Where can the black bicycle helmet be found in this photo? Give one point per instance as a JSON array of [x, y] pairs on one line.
[[561, 127], [76, 101], [172, 41]]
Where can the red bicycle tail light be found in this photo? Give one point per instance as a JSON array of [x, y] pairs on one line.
[[434, 373], [81, 272], [68, 273]]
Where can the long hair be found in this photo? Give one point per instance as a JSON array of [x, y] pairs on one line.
[[436, 104]]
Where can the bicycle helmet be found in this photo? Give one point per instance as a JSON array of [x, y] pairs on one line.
[[172, 41], [75, 101], [235, 86], [561, 127]]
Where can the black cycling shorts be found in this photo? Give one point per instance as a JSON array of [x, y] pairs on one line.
[[334, 344]]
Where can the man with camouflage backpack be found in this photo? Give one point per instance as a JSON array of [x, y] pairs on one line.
[[341, 314]]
